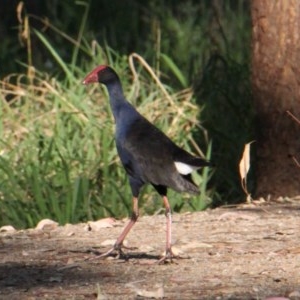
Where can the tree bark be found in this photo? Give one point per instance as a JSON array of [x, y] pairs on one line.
[[276, 89]]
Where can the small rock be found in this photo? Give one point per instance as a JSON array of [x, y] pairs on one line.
[[7, 228], [46, 224], [102, 223]]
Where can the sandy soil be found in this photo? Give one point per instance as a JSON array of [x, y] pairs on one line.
[[246, 252]]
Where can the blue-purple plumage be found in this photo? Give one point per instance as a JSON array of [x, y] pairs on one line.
[[147, 154]]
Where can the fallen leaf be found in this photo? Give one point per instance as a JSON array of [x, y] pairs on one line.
[[196, 244], [235, 216], [100, 294], [158, 293], [244, 167]]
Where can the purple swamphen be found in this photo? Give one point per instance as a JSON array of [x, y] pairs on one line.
[[147, 155]]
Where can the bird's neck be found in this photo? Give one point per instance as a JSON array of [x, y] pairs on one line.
[[116, 96]]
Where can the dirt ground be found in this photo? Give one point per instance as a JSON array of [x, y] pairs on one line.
[[244, 252]]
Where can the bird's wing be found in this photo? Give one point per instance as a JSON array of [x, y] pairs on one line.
[[146, 149], [147, 153]]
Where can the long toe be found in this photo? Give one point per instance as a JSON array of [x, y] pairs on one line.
[[116, 248], [105, 254], [167, 257]]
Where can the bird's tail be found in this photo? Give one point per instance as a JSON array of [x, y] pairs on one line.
[[185, 183]]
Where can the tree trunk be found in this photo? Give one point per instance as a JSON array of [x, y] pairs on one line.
[[276, 89]]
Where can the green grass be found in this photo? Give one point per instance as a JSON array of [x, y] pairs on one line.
[[58, 157]]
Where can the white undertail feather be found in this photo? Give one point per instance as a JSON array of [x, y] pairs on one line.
[[183, 168]]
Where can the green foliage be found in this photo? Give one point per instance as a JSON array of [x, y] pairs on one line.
[[187, 31], [58, 157], [61, 162]]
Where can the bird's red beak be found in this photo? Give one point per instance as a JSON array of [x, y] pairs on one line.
[[90, 78]]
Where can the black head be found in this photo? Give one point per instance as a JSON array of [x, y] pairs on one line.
[[103, 74]]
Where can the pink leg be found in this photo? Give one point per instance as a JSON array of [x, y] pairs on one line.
[[133, 219], [119, 243], [169, 253], [169, 225]]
